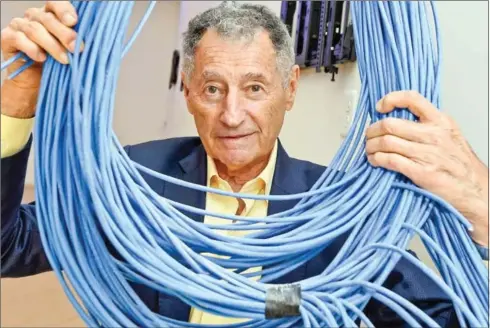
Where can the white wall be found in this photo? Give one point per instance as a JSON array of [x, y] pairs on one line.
[[142, 94], [464, 26]]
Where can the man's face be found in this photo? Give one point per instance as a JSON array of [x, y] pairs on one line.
[[237, 98]]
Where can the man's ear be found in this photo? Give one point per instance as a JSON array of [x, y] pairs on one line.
[[183, 78], [292, 87], [185, 89]]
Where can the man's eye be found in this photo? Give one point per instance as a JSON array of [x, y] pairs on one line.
[[255, 88], [212, 89]]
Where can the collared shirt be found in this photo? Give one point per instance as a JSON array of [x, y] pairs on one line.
[[261, 185]]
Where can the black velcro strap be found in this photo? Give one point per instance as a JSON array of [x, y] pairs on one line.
[[282, 301]]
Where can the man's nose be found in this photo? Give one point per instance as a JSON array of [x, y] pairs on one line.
[[234, 112]]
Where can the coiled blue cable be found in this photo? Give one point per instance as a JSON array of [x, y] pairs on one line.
[[89, 193]]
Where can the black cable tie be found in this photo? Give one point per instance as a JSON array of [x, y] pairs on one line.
[[282, 301]]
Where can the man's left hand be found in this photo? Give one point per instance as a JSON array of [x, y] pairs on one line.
[[433, 154]]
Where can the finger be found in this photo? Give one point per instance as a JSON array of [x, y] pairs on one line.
[[393, 144], [15, 41], [405, 129], [66, 35], [413, 101], [38, 34], [395, 162], [64, 10], [32, 50]]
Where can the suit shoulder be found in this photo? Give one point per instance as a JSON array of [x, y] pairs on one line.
[[157, 153], [170, 145], [312, 171]]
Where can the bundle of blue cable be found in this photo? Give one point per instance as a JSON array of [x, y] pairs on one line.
[[91, 195]]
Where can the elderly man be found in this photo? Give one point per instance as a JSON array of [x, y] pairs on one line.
[[239, 81]]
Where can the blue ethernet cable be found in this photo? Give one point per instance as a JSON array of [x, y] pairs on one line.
[[90, 193]]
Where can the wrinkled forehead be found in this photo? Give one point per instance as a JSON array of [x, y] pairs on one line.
[[251, 56]]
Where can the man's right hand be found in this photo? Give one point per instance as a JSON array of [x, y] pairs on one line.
[[42, 31]]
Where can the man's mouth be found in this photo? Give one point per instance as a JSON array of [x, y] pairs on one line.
[[236, 136]]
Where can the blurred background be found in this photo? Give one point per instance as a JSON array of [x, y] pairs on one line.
[[147, 109]]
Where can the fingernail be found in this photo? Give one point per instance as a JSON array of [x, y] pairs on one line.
[[64, 58], [378, 105], [69, 19]]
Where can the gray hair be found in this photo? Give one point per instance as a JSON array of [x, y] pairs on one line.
[[238, 21]]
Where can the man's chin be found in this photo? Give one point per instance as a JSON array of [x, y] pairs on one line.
[[237, 161], [236, 158]]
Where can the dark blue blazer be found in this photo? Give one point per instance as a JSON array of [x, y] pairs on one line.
[[185, 158]]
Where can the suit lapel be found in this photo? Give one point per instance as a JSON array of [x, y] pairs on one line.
[[190, 169], [285, 182]]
